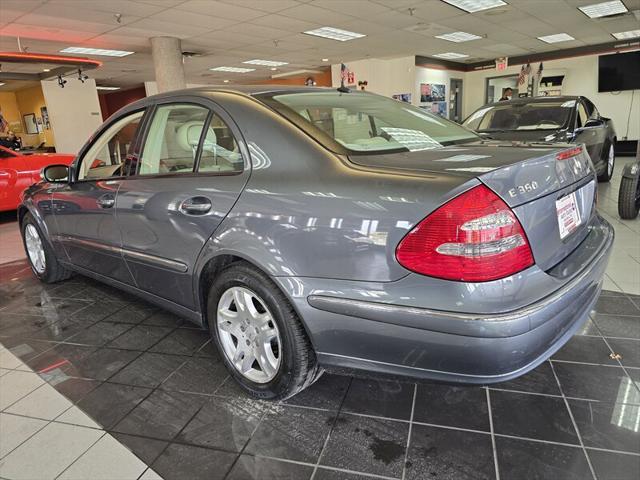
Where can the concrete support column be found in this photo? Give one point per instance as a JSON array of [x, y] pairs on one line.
[[167, 62]]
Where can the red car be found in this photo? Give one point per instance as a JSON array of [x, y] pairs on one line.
[[18, 171]]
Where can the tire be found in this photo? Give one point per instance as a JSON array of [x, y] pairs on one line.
[[297, 366], [609, 152], [51, 271], [629, 197]]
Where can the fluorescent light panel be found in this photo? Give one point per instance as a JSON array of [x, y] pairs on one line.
[[558, 37], [96, 51], [472, 6], [266, 63], [458, 37], [98, 87], [450, 55], [335, 34], [232, 69], [2, 83], [604, 9], [626, 35]]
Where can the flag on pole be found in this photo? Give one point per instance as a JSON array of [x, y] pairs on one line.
[[521, 76], [527, 69], [540, 68]]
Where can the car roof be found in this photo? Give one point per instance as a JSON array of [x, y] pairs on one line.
[[524, 100], [249, 90]]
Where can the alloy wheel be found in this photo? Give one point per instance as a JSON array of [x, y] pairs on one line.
[[35, 249], [248, 334], [610, 161]]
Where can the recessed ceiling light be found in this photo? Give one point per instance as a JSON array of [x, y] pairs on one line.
[[273, 69], [98, 87], [604, 9], [325, 59], [458, 37], [335, 34], [472, 6], [450, 55], [2, 83], [96, 51], [266, 63], [226, 81], [232, 69], [46, 69], [558, 37], [626, 35]]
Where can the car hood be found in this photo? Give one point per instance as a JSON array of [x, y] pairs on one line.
[[525, 135]]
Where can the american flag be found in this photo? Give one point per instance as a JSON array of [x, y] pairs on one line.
[[344, 72], [521, 76], [540, 68]]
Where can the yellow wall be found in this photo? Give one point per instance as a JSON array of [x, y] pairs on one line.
[[9, 107], [30, 100]]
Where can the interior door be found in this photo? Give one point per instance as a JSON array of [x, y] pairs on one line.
[[84, 208], [191, 172]]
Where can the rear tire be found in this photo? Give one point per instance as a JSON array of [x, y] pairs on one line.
[[609, 163], [629, 197], [42, 260], [295, 366]]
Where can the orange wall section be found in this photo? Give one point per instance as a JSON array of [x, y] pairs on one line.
[[30, 100]]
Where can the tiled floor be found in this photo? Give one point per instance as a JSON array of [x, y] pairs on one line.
[[114, 376]]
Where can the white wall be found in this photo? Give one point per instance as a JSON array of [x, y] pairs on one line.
[[581, 78], [385, 76], [74, 112]]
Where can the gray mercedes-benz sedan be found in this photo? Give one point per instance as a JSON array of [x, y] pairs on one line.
[[313, 229]]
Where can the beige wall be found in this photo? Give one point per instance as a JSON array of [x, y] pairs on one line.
[[385, 76], [30, 100]]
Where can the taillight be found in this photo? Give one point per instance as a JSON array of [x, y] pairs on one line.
[[475, 237], [572, 152]]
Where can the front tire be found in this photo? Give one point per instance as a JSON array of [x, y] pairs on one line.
[[42, 260], [609, 163], [259, 335], [629, 197]]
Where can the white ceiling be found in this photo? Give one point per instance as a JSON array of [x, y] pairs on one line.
[[228, 32]]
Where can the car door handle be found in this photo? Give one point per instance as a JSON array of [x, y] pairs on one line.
[[195, 206], [106, 201]]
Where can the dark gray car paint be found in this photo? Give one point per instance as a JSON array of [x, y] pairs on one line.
[[323, 226]]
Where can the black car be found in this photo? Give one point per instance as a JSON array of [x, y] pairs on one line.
[[550, 120]]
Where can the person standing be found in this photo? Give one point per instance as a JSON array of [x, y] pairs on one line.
[[507, 93]]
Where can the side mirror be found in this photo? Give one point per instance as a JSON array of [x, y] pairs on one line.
[[55, 173], [593, 122]]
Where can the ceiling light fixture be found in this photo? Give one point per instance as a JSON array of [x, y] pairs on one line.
[[558, 37], [626, 35], [46, 69], [273, 69], [334, 34], [604, 9], [232, 69], [226, 81], [472, 6], [450, 55], [458, 37], [2, 83], [96, 51], [325, 59], [99, 87], [266, 63]]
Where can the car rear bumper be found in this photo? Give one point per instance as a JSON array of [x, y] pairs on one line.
[[464, 347]]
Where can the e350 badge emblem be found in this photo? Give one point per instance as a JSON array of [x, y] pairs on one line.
[[524, 188]]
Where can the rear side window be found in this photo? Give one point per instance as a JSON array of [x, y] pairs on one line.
[[220, 151]]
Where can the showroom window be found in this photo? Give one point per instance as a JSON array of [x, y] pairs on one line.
[[107, 156]]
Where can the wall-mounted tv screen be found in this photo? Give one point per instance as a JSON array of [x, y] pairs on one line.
[[620, 71]]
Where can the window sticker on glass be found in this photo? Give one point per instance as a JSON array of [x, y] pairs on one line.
[[413, 140]]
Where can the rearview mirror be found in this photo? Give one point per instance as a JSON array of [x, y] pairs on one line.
[[55, 173]]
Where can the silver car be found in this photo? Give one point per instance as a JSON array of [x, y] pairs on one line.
[[311, 229]]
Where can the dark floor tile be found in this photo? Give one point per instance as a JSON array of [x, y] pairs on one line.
[[521, 459], [464, 407], [95, 312], [132, 313], [21, 326], [140, 337], [613, 426], [532, 416], [99, 334], [366, 444], [612, 293], [149, 369], [146, 449], [615, 466], [225, 423], [181, 462], [43, 305], [162, 318], [248, 467], [161, 415], [62, 357], [198, 375], [209, 349], [449, 454], [586, 350], [103, 363], [327, 474], [328, 393], [589, 328], [594, 382], [629, 351], [75, 389], [26, 348], [182, 341], [381, 398], [291, 433], [623, 326], [59, 331], [110, 402], [539, 380], [616, 306]]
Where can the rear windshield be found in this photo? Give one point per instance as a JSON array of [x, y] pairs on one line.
[[365, 123], [550, 115]]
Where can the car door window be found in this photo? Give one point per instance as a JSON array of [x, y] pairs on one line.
[[106, 157], [220, 152], [172, 143], [582, 116]]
